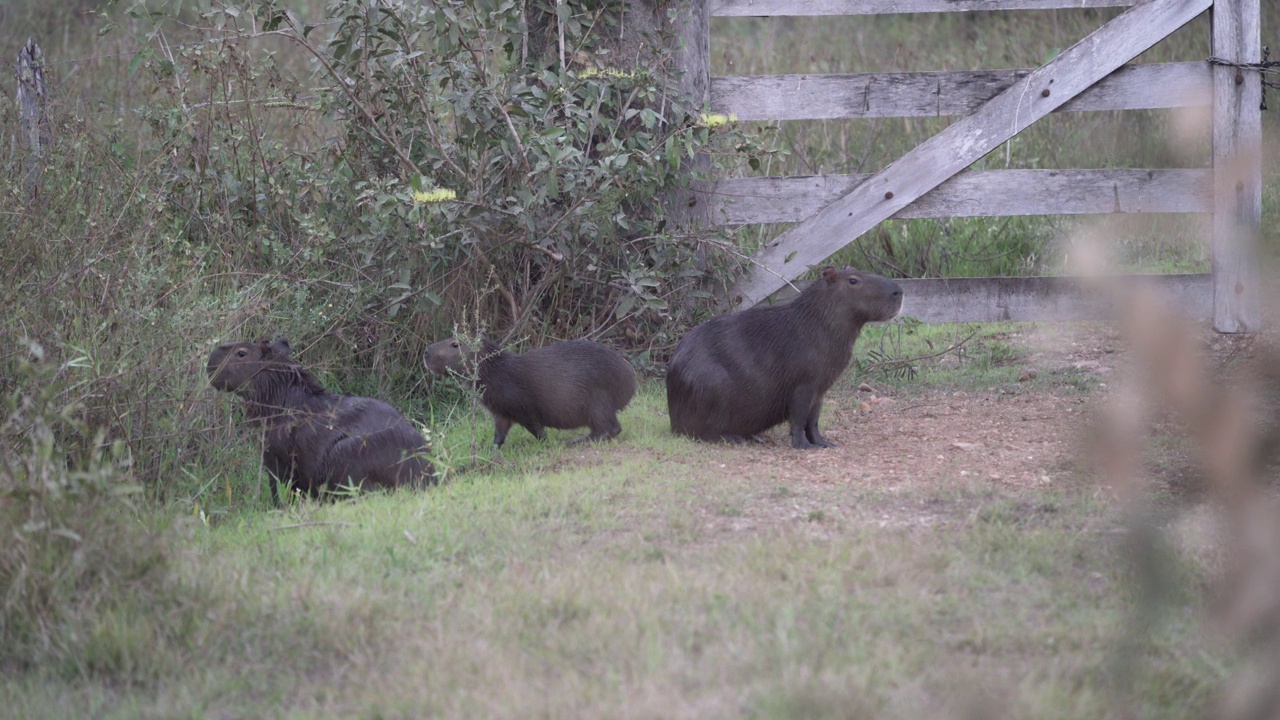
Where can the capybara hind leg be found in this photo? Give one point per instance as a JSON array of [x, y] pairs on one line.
[[603, 429], [537, 430]]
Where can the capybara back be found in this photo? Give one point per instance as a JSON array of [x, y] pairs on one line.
[[569, 384]]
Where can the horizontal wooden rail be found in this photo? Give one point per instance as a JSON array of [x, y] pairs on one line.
[[755, 8], [931, 94], [996, 193], [961, 144], [1026, 299]]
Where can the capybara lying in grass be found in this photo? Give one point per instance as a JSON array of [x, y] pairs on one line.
[[563, 385], [312, 438], [738, 375]]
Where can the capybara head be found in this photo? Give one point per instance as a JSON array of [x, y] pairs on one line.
[[857, 296], [443, 357], [233, 366], [451, 356]]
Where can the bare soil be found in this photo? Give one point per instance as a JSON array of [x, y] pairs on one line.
[[926, 456]]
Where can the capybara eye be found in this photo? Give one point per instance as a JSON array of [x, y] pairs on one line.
[[241, 352], [453, 344], [853, 281]]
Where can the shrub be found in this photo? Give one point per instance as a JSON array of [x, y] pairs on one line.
[[74, 561]]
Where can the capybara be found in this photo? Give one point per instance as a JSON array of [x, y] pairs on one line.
[[312, 438], [738, 375], [564, 385]]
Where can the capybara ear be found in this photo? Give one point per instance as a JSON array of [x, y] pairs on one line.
[[279, 346], [830, 274]]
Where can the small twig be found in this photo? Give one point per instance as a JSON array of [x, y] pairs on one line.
[[314, 523], [295, 34], [502, 288], [560, 32], [907, 361]]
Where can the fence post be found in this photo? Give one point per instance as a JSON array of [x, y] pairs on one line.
[[692, 53], [1237, 167], [31, 112]]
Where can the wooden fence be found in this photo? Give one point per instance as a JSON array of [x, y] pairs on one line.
[[931, 181]]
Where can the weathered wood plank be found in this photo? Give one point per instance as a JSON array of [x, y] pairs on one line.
[[993, 193], [930, 94], [1237, 151], [692, 53], [765, 8], [962, 143], [32, 94], [1040, 298], [693, 50], [1044, 298]]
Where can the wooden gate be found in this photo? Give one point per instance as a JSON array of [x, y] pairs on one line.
[[931, 181]]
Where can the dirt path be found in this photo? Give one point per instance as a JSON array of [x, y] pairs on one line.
[[927, 453]]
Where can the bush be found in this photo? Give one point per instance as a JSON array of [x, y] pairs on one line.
[[73, 560], [463, 174], [255, 175]]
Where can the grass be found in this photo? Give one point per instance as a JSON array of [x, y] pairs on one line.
[[650, 577], [910, 356]]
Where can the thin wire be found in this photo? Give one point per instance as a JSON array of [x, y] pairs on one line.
[[1266, 67]]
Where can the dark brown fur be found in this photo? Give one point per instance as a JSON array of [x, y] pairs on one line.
[[312, 438], [563, 385], [738, 375]]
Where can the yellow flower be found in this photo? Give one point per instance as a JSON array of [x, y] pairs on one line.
[[607, 72], [715, 119], [434, 196]]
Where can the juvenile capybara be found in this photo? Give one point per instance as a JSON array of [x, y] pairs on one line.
[[564, 385], [312, 438], [738, 375]]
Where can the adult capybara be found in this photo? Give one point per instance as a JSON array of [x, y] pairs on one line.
[[312, 438], [738, 375], [564, 385]]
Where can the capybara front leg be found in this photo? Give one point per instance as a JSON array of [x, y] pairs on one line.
[[799, 438], [799, 414], [501, 426], [811, 427], [280, 472]]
